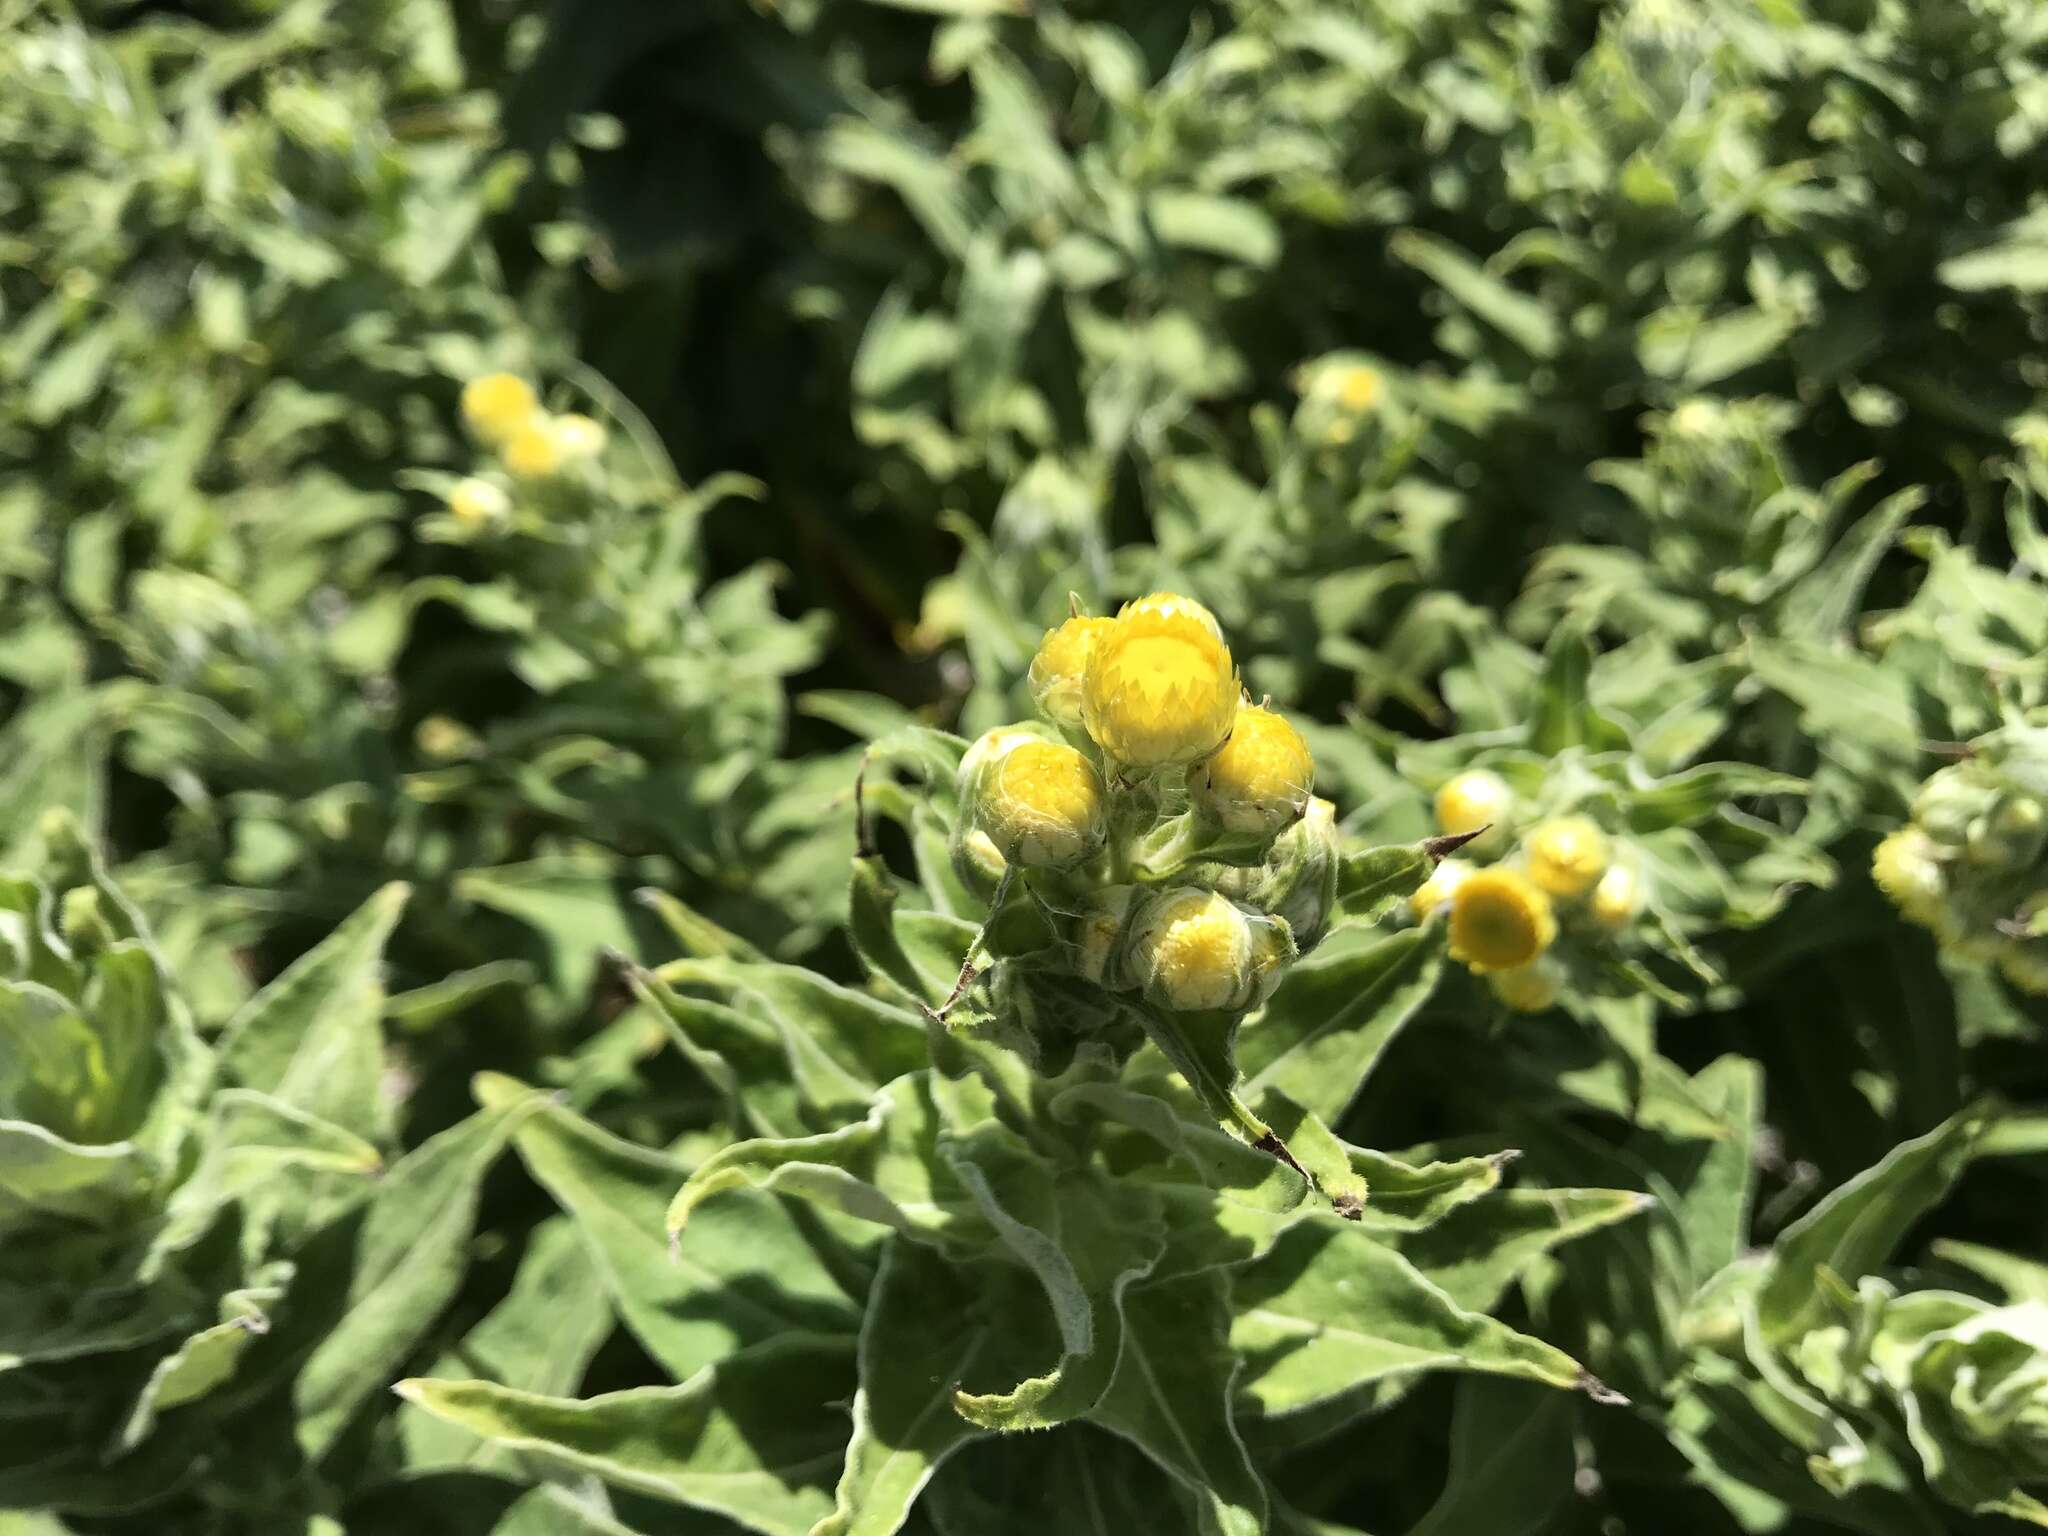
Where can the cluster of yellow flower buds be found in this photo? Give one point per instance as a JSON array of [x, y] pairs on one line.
[[532, 444], [1168, 822], [1511, 905], [1970, 867]]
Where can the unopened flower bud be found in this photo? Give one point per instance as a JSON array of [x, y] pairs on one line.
[[82, 920], [1043, 806], [499, 405], [1194, 949], [1617, 898], [2010, 835], [1527, 988], [578, 439], [977, 861], [1566, 856], [1500, 919], [474, 503], [1475, 798], [1260, 779], [1299, 882], [1060, 668], [1907, 868], [1950, 800], [532, 452], [1160, 690], [985, 749]]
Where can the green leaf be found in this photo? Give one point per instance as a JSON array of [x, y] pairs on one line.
[[751, 1438], [1518, 317], [1855, 1229], [1512, 1461], [1477, 1251], [745, 1271], [1332, 1309], [538, 1339], [1335, 1014], [42, 1174], [1172, 1396], [311, 1038], [927, 1328], [404, 1264]]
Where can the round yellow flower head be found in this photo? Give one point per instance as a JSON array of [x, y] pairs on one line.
[[1260, 779], [498, 405], [1475, 798], [1617, 898], [1526, 988], [1500, 919], [1192, 950], [473, 502], [1043, 806], [532, 452], [1567, 855], [1442, 883], [1160, 690], [578, 439], [1907, 868], [1061, 667], [1356, 388]]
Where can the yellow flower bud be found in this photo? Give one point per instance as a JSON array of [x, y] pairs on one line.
[[1526, 988], [1566, 856], [1443, 881], [532, 452], [499, 405], [1192, 950], [1169, 603], [1260, 779], [1160, 691], [1617, 898], [578, 439], [1475, 798], [1355, 387], [439, 736], [1060, 668], [1907, 868], [1500, 919], [989, 747], [1043, 806], [473, 502]]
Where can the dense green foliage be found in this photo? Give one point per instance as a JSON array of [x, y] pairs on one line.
[[526, 1007]]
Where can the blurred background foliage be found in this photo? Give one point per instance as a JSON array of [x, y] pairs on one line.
[[1638, 395]]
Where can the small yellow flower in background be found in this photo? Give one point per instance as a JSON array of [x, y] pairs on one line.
[[1438, 888], [439, 736], [1526, 988], [498, 405], [533, 452], [473, 502], [1907, 868], [1355, 387], [1160, 691], [1617, 898], [1475, 798], [1500, 919], [1261, 778], [578, 439], [1566, 856], [1192, 950], [1060, 668], [1043, 805]]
